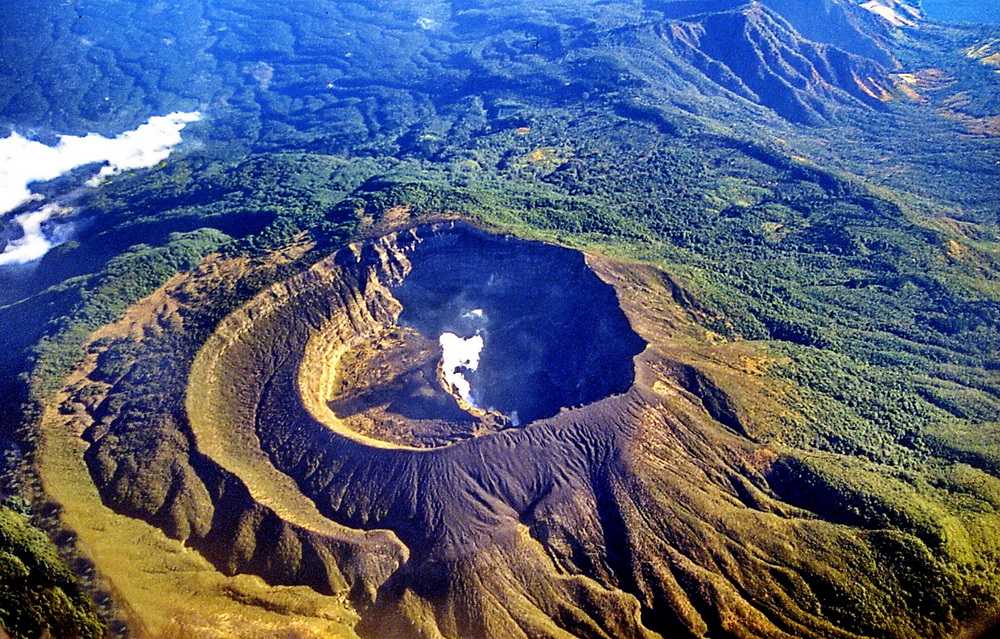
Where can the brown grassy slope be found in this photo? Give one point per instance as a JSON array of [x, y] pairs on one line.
[[162, 586]]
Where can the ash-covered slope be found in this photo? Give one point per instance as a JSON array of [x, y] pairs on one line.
[[646, 512]]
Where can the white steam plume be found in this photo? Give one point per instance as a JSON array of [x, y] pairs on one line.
[[460, 354], [24, 161]]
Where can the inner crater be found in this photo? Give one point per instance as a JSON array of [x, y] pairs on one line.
[[492, 332], [542, 330]]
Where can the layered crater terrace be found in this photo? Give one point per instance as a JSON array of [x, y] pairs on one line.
[[418, 340]]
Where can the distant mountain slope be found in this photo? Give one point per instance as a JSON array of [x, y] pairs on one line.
[[840, 23], [758, 53]]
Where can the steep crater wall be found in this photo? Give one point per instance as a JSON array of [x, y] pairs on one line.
[[549, 335], [553, 334]]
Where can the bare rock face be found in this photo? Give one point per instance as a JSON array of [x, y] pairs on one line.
[[626, 499]]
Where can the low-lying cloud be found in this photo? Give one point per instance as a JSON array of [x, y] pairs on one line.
[[23, 161], [34, 241]]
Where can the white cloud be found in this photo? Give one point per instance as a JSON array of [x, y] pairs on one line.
[[24, 161], [34, 243]]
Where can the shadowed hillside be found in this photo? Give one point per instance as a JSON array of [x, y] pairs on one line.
[[756, 54]]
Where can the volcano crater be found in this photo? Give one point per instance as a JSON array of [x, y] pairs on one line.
[[484, 332]]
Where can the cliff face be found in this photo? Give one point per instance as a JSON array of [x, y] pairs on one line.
[[641, 510]]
